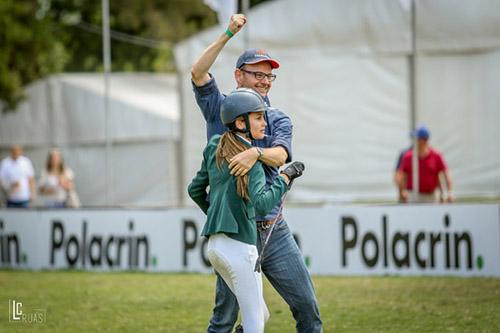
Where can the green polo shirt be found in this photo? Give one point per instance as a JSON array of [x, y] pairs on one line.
[[227, 212]]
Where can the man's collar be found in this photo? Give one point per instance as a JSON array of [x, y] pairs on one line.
[[266, 100]]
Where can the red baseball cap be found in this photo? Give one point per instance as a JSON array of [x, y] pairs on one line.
[[254, 56]]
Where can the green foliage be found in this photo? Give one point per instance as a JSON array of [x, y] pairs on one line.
[[29, 49], [41, 37], [167, 21]]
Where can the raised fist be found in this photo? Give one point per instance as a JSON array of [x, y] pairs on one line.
[[236, 22]]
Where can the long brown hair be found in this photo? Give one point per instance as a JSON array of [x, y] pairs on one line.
[[49, 165], [229, 146]]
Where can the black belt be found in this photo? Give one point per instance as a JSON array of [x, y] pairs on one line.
[[264, 225]]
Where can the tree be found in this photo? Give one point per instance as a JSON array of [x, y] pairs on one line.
[[41, 37], [28, 49], [164, 22]]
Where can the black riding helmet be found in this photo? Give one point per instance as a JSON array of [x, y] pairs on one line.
[[241, 102]]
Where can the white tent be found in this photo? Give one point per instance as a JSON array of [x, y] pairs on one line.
[[67, 111], [344, 80]]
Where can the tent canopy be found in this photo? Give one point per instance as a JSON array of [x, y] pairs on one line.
[[68, 111], [344, 81]]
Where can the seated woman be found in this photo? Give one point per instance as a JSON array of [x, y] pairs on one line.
[[234, 201]]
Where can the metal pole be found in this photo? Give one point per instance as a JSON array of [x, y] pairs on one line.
[[106, 43], [51, 113], [413, 100], [181, 145], [245, 4]]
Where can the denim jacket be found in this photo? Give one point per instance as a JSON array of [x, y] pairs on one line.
[[278, 130]]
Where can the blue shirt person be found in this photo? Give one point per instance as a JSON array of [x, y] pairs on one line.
[[283, 265]]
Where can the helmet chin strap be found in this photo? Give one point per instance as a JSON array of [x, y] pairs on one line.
[[246, 130]]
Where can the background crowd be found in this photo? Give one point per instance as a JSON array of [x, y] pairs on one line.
[[55, 185], [55, 188]]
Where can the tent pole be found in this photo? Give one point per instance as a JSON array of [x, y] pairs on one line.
[[180, 145], [413, 101], [245, 4], [107, 122]]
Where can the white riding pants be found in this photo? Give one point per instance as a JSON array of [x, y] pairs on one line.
[[235, 262]]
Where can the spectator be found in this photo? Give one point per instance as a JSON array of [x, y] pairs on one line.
[[57, 189], [17, 178], [431, 165]]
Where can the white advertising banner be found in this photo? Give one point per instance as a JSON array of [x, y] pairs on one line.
[[406, 240], [460, 240]]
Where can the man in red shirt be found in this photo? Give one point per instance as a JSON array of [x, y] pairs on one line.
[[430, 165]]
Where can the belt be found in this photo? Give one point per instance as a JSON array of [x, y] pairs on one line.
[[264, 225]]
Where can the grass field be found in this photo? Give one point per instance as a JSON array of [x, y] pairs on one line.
[[138, 302]]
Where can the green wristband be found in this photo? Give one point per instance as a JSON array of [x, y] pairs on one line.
[[229, 33]]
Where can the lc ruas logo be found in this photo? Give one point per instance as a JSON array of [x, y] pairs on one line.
[[18, 315]]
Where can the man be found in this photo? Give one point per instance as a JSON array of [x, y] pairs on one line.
[[17, 179], [431, 165], [282, 264]]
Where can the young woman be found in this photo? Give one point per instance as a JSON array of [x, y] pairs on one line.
[[234, 201], [56, 182]]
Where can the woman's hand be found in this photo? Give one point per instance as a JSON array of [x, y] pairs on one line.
[[294, 170], [66, 183], [241, 163]]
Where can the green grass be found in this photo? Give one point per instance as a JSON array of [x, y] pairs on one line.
[[138, 302]]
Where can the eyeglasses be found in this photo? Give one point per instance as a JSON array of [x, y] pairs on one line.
[[260, 76]]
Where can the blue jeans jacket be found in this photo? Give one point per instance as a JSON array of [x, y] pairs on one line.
[[283, 264]]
